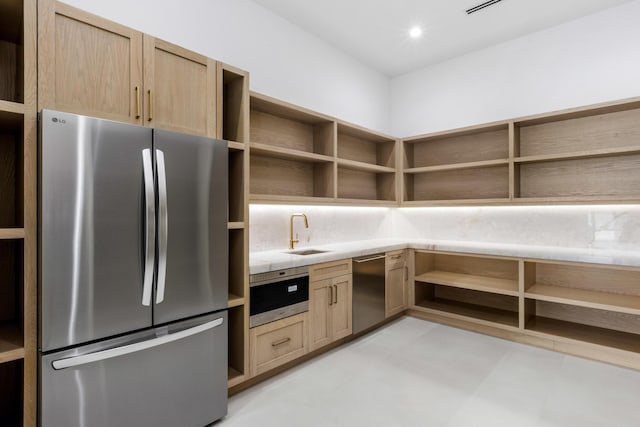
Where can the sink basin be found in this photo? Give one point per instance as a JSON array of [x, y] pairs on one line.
[[306, 252]]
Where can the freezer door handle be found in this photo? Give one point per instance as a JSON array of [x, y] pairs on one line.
[[163, 226], [98, 356], [150, 229]]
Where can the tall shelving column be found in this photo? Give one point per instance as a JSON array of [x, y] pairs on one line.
[[233, 126], [18, 169]]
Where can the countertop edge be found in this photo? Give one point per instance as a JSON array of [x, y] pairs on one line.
[[260, 262]]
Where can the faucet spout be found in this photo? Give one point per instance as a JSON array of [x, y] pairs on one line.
[[293, 241]]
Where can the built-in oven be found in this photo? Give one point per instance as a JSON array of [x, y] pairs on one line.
[[278, 294]]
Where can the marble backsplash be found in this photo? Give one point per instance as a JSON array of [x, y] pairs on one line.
[[269, 225], [596, 227]]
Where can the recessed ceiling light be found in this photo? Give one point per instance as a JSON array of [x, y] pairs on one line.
[[415, 32]]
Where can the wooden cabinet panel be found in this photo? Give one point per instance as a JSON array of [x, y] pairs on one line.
[[179, 88], [320, 294], [395, 283], [278, 342], [330, 296], [88, 65], [341, 308]]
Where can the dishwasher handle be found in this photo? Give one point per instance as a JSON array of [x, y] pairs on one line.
[[373, 258]]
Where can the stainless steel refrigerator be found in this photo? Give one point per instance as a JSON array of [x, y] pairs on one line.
[[133, 275]]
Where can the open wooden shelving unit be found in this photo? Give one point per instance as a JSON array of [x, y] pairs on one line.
[[299, 156], [18, 239], [590, 310], [583, 155], [233, 126], [482, 288], [468, 165]]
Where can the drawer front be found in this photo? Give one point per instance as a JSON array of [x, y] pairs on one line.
[[329, 270], [278, 342], [395, 259]]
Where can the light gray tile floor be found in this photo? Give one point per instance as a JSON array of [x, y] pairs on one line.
[[417, 373]]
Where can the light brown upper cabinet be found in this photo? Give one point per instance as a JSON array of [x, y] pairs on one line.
[[179, 88], [89, 65]]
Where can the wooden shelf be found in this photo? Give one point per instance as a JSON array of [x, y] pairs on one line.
[[587, 154], [286, 153], [585, 298], [235, 225], [595, 177], [458, 166], [235, 301], [237, 146], [11, 233], [365, 167], [11, 344], [234, 377], [460, 202], [367, 185], [282, 199], [11, 110], [471, 311], [485, 183], [469, 281], [585, 333]]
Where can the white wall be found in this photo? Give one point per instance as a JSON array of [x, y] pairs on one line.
[[284, 61], [589, 60]]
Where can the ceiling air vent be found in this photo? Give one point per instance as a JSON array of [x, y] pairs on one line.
[[482, 6]]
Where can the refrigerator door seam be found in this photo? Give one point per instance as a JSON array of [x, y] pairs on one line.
[[133, 348], [163, 226], [150, 229]]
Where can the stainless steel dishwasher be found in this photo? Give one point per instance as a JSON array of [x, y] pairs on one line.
[[368, 291]]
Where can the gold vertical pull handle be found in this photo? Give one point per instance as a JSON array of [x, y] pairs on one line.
[[336, 294], [330, 295], [137, 89], [150, 105]]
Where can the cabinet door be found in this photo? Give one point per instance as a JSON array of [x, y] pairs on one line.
[[320, 299], [88, 65], [395, 291], [179, 89], [341, 307]]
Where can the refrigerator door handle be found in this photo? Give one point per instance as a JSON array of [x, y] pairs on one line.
[[163, 226], [150, 229], [98, 356]]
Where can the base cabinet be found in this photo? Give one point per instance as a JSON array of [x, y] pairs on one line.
[[395, 283], [589, 310], [278, 342], [330, 303]]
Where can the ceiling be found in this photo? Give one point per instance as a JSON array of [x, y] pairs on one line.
[[376, 31]]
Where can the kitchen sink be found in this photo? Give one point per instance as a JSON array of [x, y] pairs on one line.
[[306, 252]]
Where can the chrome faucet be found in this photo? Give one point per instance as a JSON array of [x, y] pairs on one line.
[[293, 241]]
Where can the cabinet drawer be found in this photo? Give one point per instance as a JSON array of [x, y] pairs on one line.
[[395, 259], [329, 270], [278, 342]]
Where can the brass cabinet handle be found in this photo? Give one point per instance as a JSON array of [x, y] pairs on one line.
[[280, 342], [330, 295], [150, 105], [336, 294], [137, 102]]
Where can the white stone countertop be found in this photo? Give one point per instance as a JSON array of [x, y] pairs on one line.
[[260, 262]]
